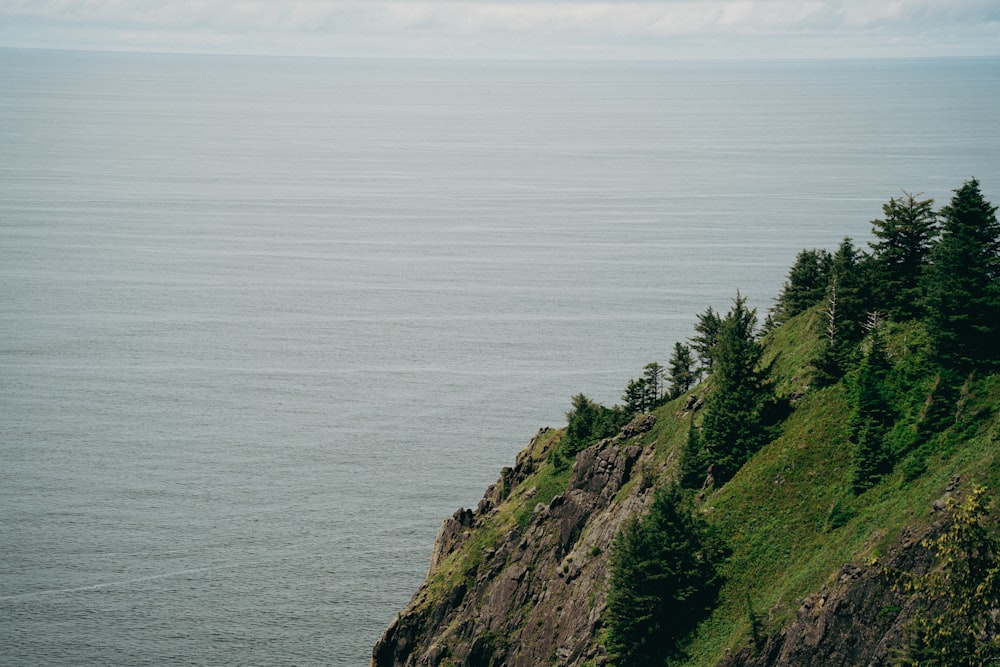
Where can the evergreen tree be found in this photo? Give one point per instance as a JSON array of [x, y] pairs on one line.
[[732, 428], [682, 374], [707, 329], [805, 286], [637, 396], [963, 281], [664, 580], [847, 276], [644, 394], [693, 466], [581, 421], [871, 415], [654, 380], [827, 365], [847, 300], [587, 423], [901, 253]]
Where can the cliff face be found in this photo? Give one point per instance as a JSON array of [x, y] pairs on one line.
[[522, 579], [858, 619], [533, 591], [535, 595]]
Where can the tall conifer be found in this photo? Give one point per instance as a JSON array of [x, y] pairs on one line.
[[901, 253], [732, 427], [847, 298], [707, 330], [805, 286], [963, 281], [872, 414], [682, 374], [664, 579]]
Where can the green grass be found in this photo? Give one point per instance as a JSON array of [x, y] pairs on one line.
[[791, 348], [548, 483], [514, 512], [789, 514], [776, 512]]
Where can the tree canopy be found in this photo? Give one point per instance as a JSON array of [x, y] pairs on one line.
[[806, 284], [707, 335], [901, 253], [962, 283], [664, 579], [732, 428], [871, 413], [681, 369], [586, 423]]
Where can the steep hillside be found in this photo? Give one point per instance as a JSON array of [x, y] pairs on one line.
[[522, 580], [824, 496]]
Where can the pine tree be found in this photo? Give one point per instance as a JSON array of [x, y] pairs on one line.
[[901, 253], [682, 374], [732, 428], [637, 396], [805, 286], [707, 329], [587, 423], [847, 300], [654, 380], [871, 414], [963, 282], [828, 365], [693, 466], [847, 274], [664, 580]]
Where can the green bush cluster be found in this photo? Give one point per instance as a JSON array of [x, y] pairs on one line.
[[664, 580]]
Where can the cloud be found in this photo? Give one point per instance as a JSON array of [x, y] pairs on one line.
[[605, 26]]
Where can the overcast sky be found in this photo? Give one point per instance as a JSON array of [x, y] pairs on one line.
[[517, 29]]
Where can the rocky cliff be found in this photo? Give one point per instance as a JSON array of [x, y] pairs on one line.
[[857, 619], [522, 579], [534, 594]]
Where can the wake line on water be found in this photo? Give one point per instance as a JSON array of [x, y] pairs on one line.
[[109, 584]]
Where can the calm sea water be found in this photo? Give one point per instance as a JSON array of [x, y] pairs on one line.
[[264, 323]]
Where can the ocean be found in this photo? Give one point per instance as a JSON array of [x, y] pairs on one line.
[[265, 322]]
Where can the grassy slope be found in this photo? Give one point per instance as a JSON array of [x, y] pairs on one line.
[[776, 513]]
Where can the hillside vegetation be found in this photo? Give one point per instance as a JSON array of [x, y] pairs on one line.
[[817, 488]]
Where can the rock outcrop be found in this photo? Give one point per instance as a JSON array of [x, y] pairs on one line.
[[535, 595], [858, 619], [522, 580]]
